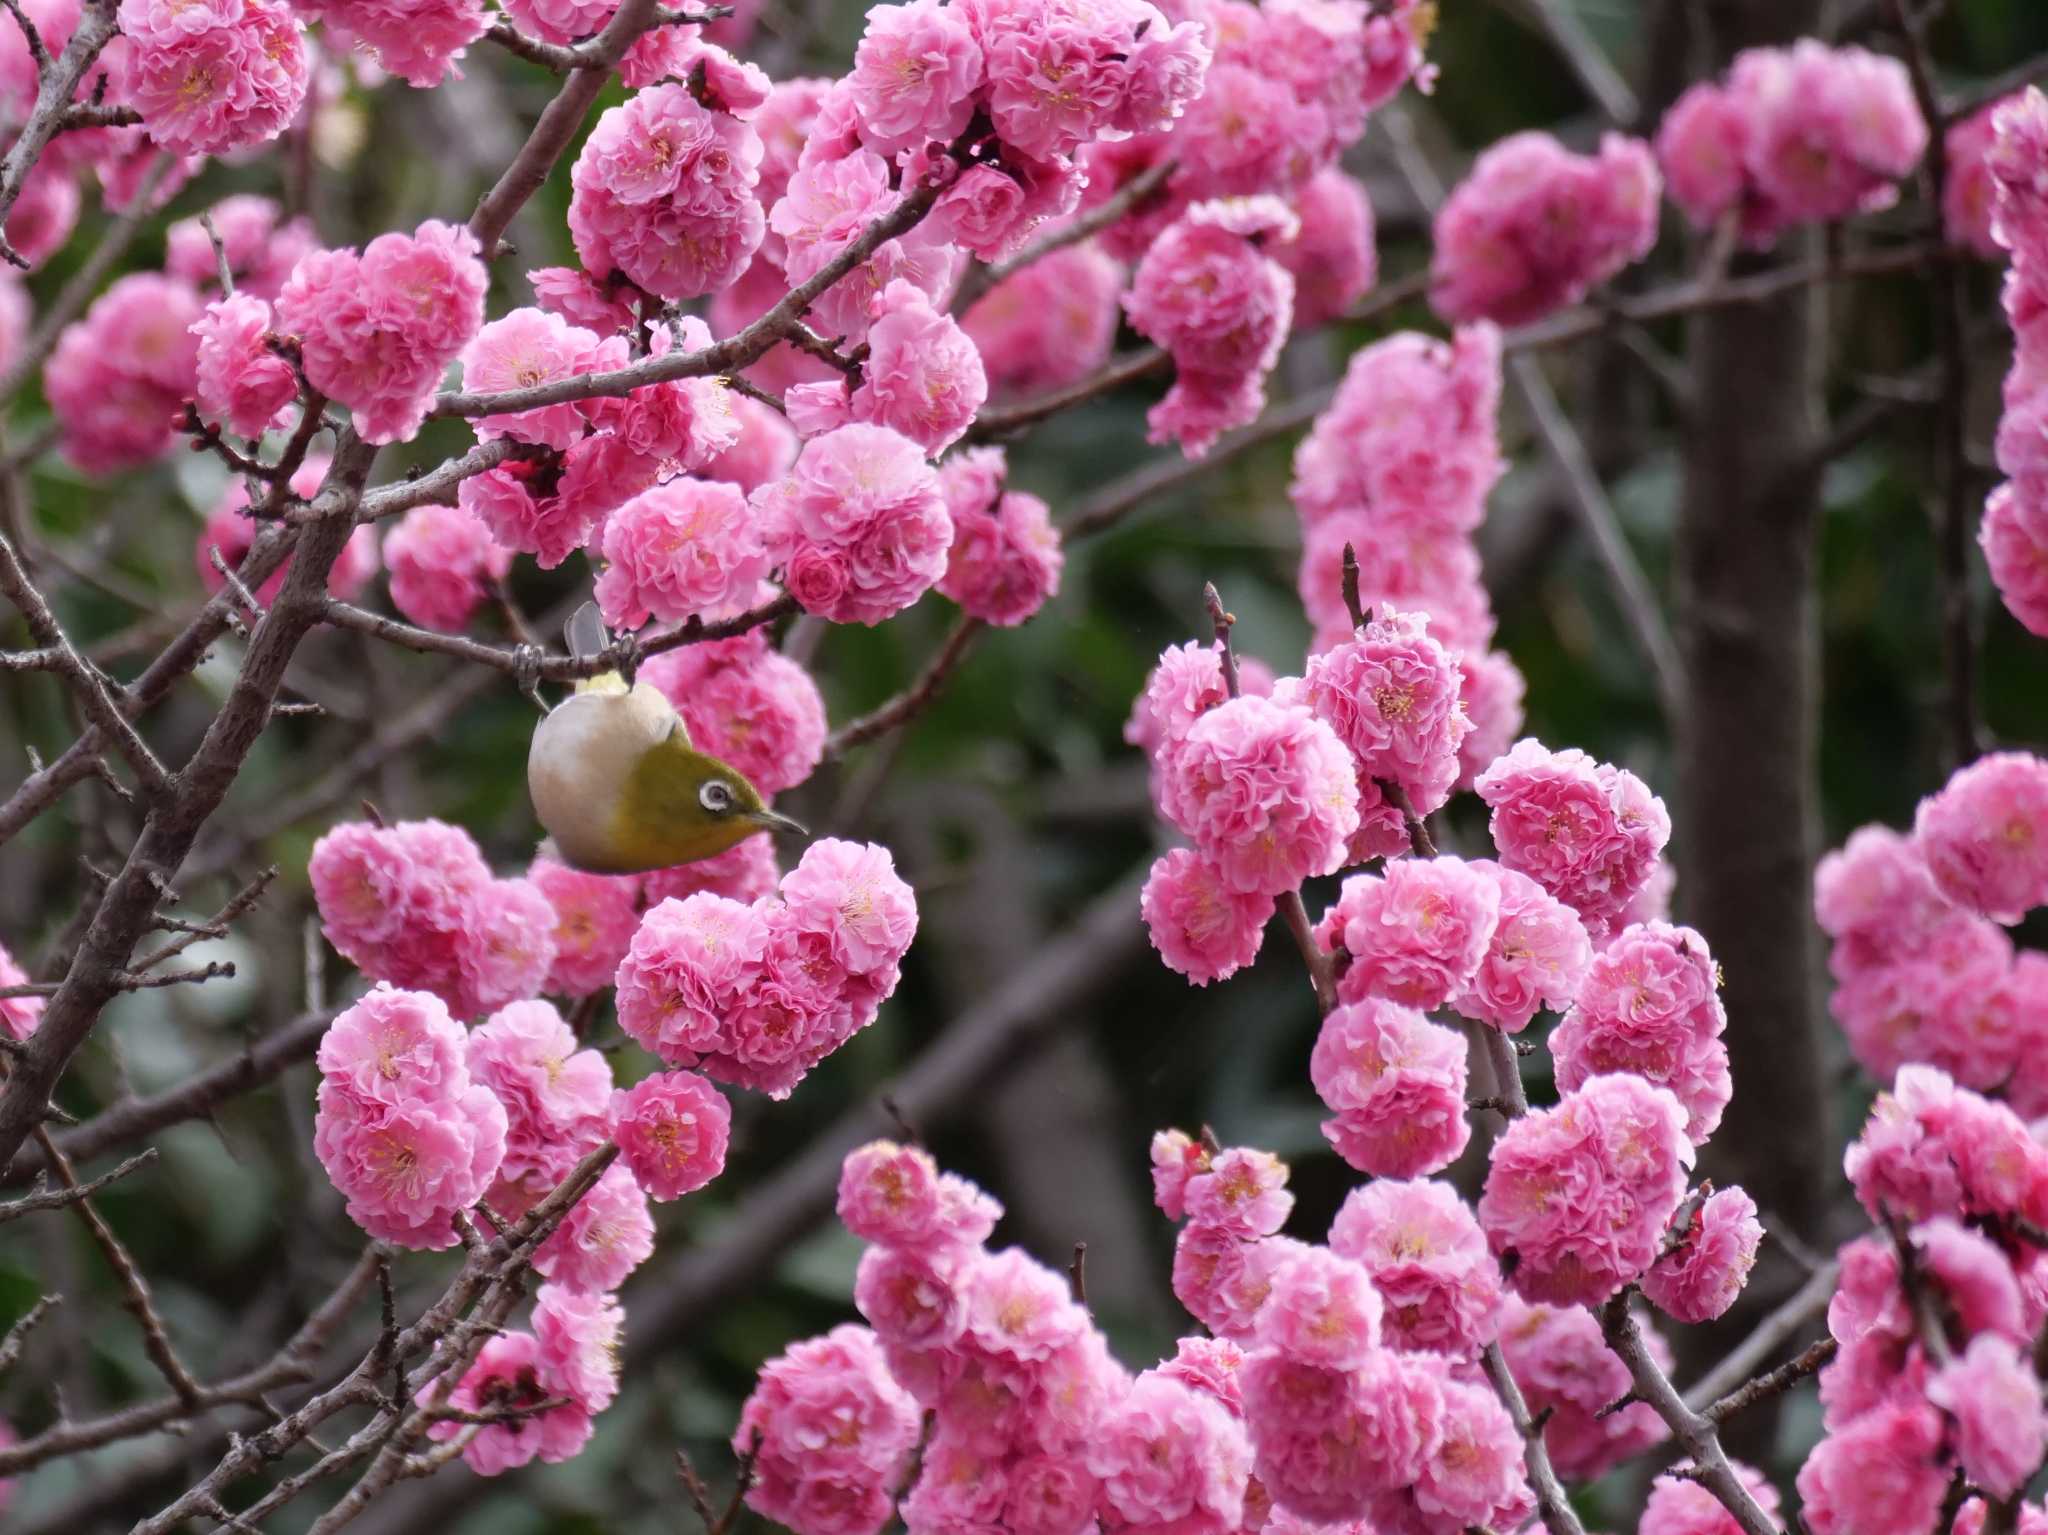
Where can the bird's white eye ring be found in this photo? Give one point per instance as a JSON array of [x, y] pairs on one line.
[[715, 797]]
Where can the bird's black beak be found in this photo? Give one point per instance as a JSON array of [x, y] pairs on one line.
[[774, 820]]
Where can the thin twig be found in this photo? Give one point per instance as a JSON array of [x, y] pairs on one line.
[[71, 1193], [914, 699], [1552, 1504]]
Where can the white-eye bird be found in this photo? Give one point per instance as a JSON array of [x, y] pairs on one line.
[[617, 785]]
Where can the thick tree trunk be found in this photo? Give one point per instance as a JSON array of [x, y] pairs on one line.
[[1747, 828]]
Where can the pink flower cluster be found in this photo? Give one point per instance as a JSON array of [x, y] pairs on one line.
[[1648, 1006], [1537, 957], [686, 549], [1266, 792], [1569, 1376], [1333, 256], [746, 703], [1805, 134], [673, 1129], [120, 375], [612, 450], [1921, 977], [1290, 88], [208, 79], [1355, 1384], [663, 192], [757, 994], [261, 244], [1396, 1085], [1535, 227], [1208, 293], [835, 1435], [570, 1357], [922, 376], [1050, 324], [1700, 1277], [595, 915], [239, 380], [404, 1132], [556, 1099], [420, 41], [2014, 530], [1415, 933], [1398, 468], [1391, 692], [415, 904], [376, 330], [1005, 561], [1905, 1417], [1581, 1193], [443, 565], [1589, 833], [859, 527]]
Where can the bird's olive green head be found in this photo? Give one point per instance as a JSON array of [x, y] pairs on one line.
[[620, 790], [680, 805]]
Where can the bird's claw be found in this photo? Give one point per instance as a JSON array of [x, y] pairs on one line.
[[626, 647], [526, 669]]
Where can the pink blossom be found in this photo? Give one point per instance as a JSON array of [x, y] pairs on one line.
[[1566, 1370], [1169, 1453], [506, 1372], [1985, 835], [2014, 537], [1323, 1310], [1534, 227], [1931, 1148], [672, 1130], [406, 1166], [923, 375], [1681, 1506], [859, 526], [1392, 695], [684, 549], [1538, 955], [663, 191], [1648, 1005], [1240, 1192], [912, 1298], [205, 89], [46, 212], [1048, 325], [1325, 1454], [238, 380], [1176, 1157], [1186, 684], [506, 946], [835, 1432], [1411, 438], [1434, 571], [555, 1098], [1700, 1278], [1995, 1399], [605, 1236], [1581, 1193], [1831, 128], [896, 1196], [1969, 196], [1700, 147], [517, 351], [1882, 1474], [442, 561], [1206, 294], [1202, 928], [117, 378], [1396, 1082], [1005, 561], [1267, 794], [576, 1339], [417, 40], [849, 894], [19, 1016], [1876, 898], [764, 450], [395, 1047], [1332, 257], [595, 915], [1588, 833], [2020, 211], [579, 298], [1417, 933], [914, 74], [1018, 1309], [684, 971], [378, 330], [1474, 1477], [1429, 1261]]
